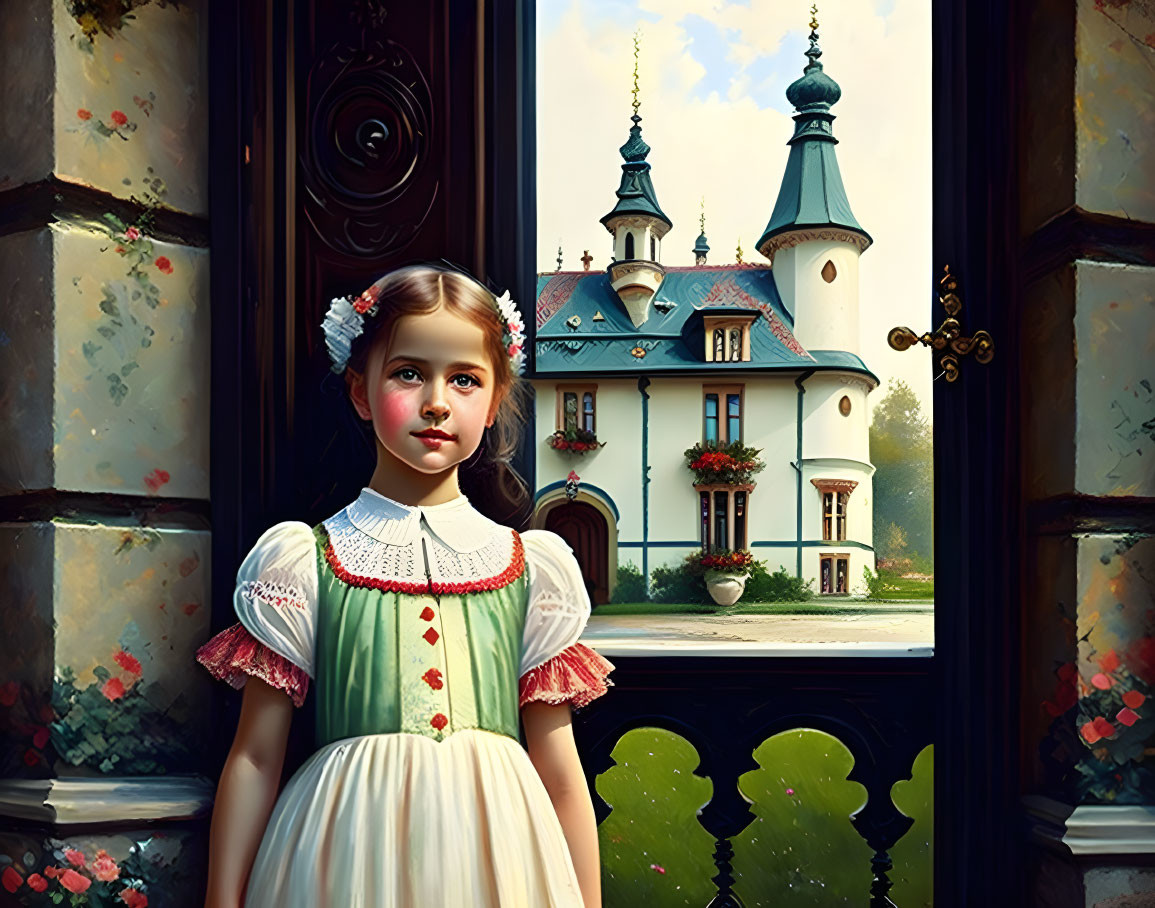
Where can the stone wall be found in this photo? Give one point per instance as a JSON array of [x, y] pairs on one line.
[[1087, 171], [104, 466]]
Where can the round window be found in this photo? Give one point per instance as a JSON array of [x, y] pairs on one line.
[[844, 406]]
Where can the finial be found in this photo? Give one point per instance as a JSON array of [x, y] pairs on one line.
[[559, 256], [637, 103], [702, 217], [815, 52], [586, 259], [739, 250]]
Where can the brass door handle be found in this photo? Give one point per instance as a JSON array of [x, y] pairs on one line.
[[948, 341]]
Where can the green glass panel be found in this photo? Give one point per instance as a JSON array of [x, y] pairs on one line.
[[913, 854], [653, 850], [801, 849]]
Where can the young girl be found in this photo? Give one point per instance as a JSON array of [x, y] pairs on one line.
[[425, 629]]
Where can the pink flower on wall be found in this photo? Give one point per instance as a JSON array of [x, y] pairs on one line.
[[84, 114], [118, 118], [163, 264], [104, 868]]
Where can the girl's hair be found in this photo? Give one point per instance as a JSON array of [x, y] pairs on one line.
[[487, 477]]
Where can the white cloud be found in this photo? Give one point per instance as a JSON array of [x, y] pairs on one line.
[[733, 151]]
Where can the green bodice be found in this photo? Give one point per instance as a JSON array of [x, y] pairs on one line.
[[389, 661]]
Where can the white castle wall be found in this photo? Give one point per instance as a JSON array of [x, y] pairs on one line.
[[834, 447], [828, 320]]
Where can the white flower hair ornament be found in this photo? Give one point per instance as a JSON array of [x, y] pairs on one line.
[[513, 335], [345, 322]]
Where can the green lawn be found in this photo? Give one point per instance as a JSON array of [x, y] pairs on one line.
[[814, 607], [898, 588]]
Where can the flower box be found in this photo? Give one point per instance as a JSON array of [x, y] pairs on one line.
[[728, 464], [577, 441]]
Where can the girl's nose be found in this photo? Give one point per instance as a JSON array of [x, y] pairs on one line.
[[435, 407]]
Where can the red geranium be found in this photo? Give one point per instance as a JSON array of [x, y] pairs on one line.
[[163, 264], [128, 662], [11, 879], [74, 882], [118, 118], [37, 882], [113, 689], [134, 898]]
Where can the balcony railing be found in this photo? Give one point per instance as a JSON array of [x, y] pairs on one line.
[[737, 774]]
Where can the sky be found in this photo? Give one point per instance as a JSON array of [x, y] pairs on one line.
[[712, 79]]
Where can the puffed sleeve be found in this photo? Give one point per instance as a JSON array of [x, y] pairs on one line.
[[276, 602], [555, 667]]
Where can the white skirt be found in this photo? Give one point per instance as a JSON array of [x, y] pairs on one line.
[[401, 821]]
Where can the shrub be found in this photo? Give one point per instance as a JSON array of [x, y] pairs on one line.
[[875, 583], [631, 585], [683, 583], [780, 586]]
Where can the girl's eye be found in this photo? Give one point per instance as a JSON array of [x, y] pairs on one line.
[[464, 380], [407, 373]]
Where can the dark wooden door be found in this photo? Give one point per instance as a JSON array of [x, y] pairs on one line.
[[350, 137], [584, 528]]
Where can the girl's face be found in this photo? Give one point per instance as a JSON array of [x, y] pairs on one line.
[[431, 394]]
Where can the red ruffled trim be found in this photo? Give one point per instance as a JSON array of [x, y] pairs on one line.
[[576, 676], [235, 654], [496, 582]]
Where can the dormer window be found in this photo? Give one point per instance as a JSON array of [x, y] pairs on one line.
[[577, 407], [728, 338]]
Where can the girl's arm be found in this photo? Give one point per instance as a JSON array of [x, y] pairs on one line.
[[549, 737], [247, 791]]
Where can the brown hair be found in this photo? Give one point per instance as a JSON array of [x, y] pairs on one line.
[[487, 477]]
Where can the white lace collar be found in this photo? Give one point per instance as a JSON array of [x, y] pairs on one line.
[[457, 523], [379, 542]]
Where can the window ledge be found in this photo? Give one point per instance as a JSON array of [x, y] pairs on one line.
[[1099, 829]]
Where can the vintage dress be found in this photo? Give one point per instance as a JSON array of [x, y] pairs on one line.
[[423, 631]]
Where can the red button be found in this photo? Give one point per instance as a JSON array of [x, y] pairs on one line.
[[431, 636], [427, 613], [433, 679], [439, 721]]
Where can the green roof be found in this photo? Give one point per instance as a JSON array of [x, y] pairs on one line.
[[812, 194], [672, 337], [636, 191]]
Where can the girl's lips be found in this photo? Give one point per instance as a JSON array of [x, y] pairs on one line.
[[434, 433]]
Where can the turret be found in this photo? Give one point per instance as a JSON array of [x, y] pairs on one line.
[[813, 240], [701, 247], [637, 223]]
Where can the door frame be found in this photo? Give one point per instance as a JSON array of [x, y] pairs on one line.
[[978, 826], [975, 83]]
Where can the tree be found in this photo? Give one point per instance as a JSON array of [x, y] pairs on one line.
[[901, 451]]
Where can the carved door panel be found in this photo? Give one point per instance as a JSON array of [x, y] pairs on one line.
[[366, 134]]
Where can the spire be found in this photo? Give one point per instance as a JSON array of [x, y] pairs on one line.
[[812, 194], [701, 247], [636, 194]]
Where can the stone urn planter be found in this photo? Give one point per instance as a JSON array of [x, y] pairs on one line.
[[726, 587]]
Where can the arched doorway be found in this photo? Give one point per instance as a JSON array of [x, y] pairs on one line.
[[584, 529]]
